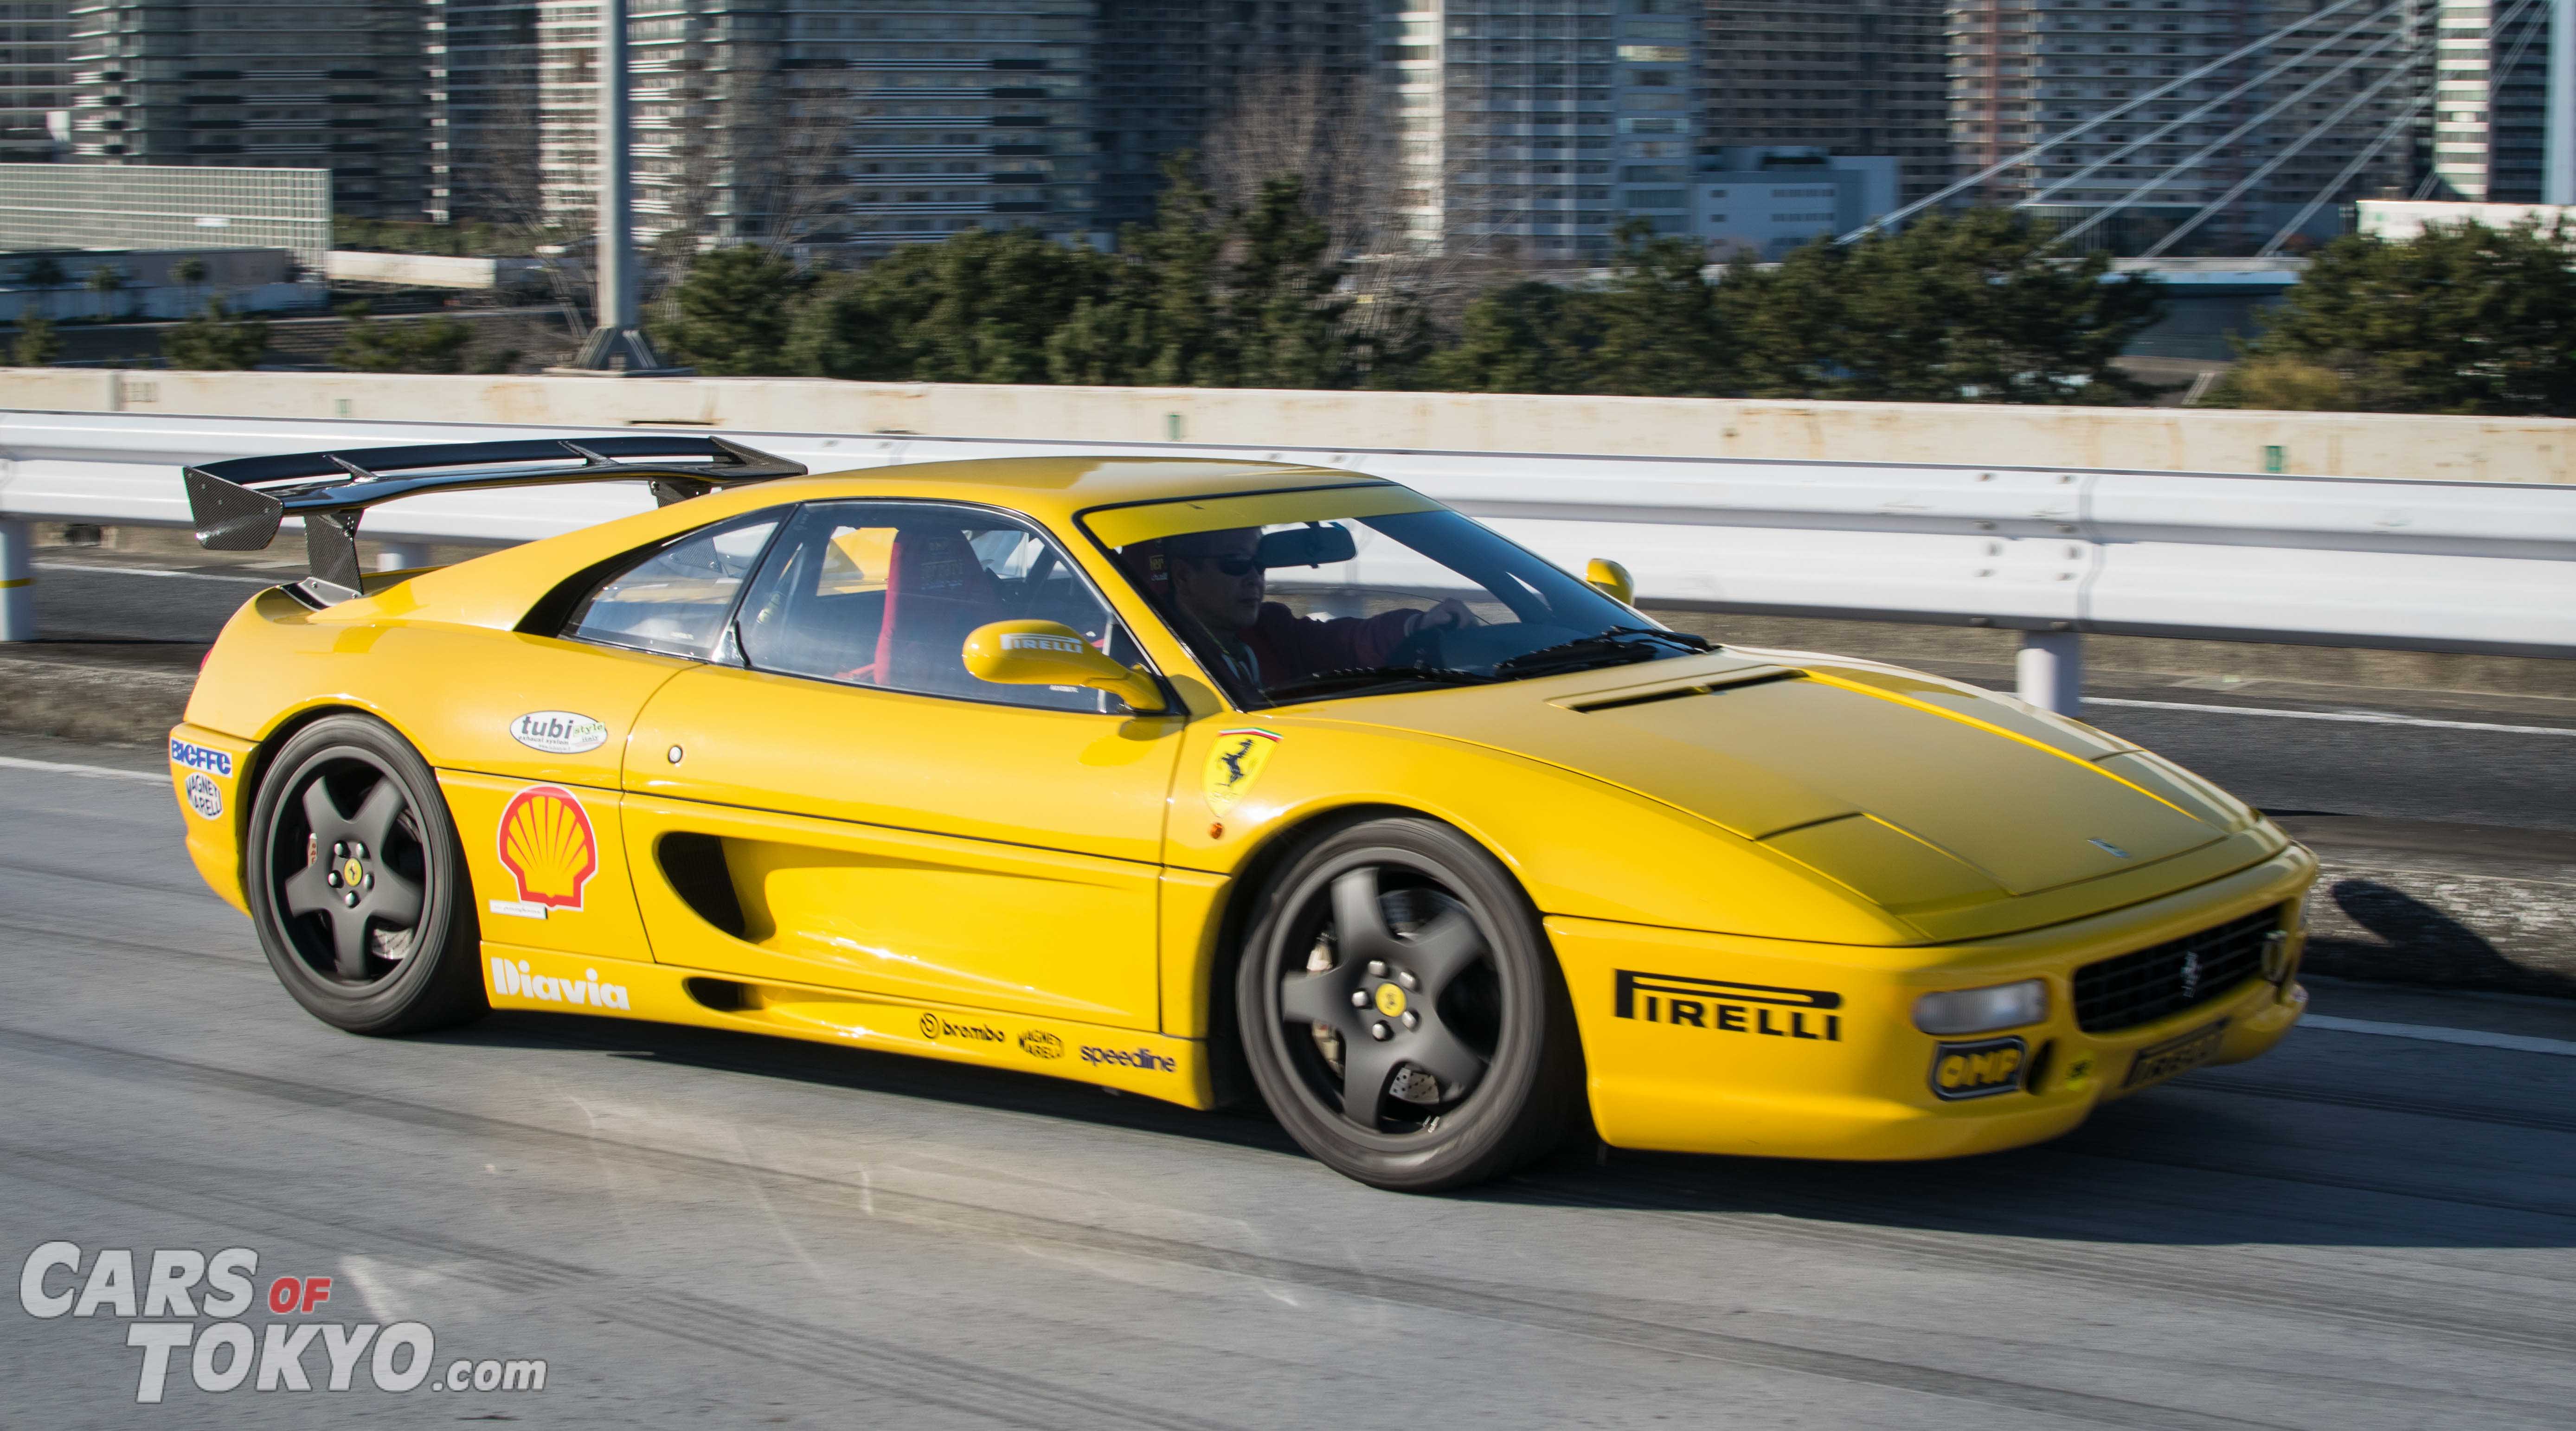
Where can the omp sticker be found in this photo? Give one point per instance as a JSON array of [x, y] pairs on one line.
[[1235, 764], [559, 732], [516, 981], [1978, 1070], [201, 757], [547, 845], [204, 796]]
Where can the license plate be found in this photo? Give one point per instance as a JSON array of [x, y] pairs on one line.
[[2158, 1062]]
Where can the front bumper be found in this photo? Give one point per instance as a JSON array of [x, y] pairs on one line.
[[1712, 1043]]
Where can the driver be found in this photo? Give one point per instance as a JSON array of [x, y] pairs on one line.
[[1218, 583]]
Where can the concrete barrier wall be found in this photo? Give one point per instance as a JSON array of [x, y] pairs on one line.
[[2151, 439]]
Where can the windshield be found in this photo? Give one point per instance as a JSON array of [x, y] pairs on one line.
[[1364, 590]]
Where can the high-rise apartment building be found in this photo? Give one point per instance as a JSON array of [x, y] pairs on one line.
[[1530, 129], [2291, 130], [35, 77], [1174, 73], [861, 122], [2490, 94], [482, 57], [337, 84], [1846, 77]]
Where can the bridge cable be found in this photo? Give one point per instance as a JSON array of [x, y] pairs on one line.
[[2194, 116], [2159, 92], [2203, 155], [2395, 127], [2210, 210]]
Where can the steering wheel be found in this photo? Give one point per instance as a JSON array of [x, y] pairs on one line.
[[1421, 647]]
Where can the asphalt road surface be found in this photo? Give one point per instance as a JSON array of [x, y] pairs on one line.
[[693, 1228]]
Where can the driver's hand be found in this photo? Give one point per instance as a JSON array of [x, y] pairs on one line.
[[1451, 612]]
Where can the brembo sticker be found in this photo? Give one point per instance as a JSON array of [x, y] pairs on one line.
[[559, 732], [547, 845], [1234, 764]]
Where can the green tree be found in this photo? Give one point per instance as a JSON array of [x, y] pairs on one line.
[[979, 307], [1526, 337], [1954, 308], [414, 345], [191, 271], [1284, 320], [106, 280], [1661, 331], [214, 339], [2463, 319], [734, 311], [43, 272], [36, 344]]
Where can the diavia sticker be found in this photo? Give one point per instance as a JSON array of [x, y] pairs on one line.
[[559, 732], [548, 846], [1235, 763]]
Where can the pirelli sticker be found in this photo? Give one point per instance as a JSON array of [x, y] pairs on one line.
[[1723, 1006]]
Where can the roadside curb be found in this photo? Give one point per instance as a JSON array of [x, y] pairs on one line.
[[92, 702]]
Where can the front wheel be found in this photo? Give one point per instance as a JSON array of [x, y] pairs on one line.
[[357, 884], [1402, 1013]]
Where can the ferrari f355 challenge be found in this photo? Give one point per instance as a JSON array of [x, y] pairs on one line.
[[1199, 780]]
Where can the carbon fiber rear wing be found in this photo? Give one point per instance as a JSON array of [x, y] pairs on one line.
[[238, 503]]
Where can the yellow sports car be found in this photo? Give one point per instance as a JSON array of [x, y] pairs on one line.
[[1192, 779]]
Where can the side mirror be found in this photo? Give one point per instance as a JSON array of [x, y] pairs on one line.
[[1050, 653], [1611, 580]]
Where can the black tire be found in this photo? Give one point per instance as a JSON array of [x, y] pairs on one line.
[[348, 807], [1488, 1073]]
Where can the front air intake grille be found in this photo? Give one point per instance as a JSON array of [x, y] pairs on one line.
[[2142, 987]]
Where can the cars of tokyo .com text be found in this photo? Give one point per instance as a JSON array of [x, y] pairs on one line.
[[188, 1312]]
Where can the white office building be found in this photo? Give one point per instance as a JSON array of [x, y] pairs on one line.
[[1520, 122]]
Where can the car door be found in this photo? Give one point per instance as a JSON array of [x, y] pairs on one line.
[[531, 749], [848, 807]]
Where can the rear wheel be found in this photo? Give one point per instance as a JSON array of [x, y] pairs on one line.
[[1402, 1013], [358, 886]]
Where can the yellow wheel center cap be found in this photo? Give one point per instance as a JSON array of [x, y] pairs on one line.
[[352, 872], [1390, 1000]]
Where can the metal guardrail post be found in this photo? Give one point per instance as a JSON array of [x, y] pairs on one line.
[[17, 580], [2050, 670]]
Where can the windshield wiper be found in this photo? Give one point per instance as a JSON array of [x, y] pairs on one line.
[[1617, 646], [1360, 678]]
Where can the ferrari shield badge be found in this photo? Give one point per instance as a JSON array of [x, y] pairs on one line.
[[1235, 764]]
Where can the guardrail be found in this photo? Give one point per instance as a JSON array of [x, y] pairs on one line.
[[2055, 553]]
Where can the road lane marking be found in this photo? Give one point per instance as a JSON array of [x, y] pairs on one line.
[[93, 772], [2351, 717], [2474, 1038], [151, 571]]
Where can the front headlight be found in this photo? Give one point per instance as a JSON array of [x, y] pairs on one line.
[[1967, 1011]]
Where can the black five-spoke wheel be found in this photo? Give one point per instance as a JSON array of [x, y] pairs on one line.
[[357, 885], [1402, 1013]]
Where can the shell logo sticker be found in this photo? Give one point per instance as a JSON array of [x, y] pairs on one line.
[[1235, 764], [548, 846]]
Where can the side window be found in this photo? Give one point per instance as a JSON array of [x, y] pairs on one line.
[[675, 601], [885, 594]]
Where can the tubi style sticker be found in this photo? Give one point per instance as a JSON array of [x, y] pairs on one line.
[[559, 732]]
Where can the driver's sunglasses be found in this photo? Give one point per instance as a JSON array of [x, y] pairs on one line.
[[1231, 565]]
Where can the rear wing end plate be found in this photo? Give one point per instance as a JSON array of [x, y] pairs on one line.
[[238, 504]]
